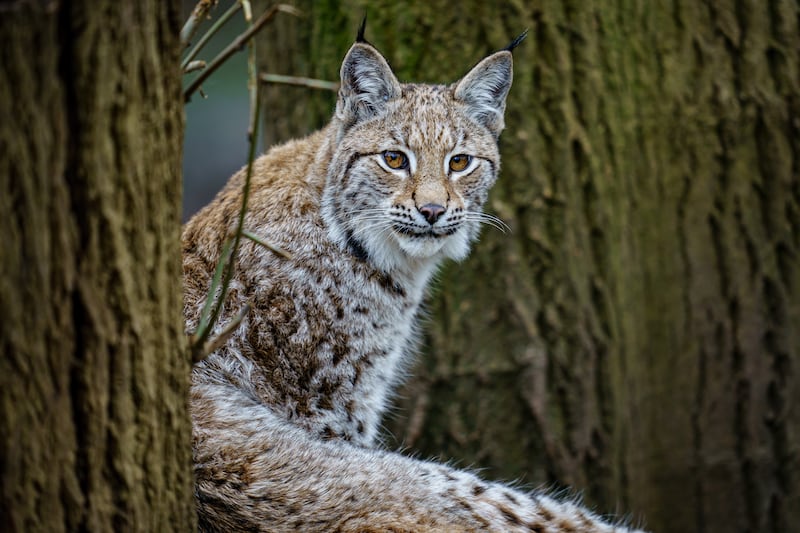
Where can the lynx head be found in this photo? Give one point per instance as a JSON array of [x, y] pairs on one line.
[[413, 163]]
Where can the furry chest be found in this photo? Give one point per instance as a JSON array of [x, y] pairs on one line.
[[329, 349]]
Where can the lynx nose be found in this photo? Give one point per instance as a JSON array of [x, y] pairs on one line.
[[432, 212]]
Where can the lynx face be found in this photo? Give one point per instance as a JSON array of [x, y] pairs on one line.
[[414, 163]]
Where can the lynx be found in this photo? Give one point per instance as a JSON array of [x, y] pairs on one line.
[[286, 413]]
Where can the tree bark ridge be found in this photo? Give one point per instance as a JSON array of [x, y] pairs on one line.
[[95, 432]]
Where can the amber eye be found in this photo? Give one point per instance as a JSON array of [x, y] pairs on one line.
[[395, 160], [459, 162]]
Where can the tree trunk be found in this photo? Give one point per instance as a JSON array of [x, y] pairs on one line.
[[637, 335], [94, 429]]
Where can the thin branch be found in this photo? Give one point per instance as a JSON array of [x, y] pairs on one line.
[[212, 345], [248, 11], [271, 247], [200, 337], [199, 13], [210, 33], [252, 71], [236, 45], [203, 324], [194, 65], [302, 82]]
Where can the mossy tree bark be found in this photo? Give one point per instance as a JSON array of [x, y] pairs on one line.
[[94, 429], [637, 335]]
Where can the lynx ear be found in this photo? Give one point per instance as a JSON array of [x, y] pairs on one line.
[[367, 84], [484, 89]]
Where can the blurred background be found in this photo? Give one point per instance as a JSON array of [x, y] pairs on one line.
[[636, 336]]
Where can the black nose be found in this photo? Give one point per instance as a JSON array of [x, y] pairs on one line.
[[432, 212]]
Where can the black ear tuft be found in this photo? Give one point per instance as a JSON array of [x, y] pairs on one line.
[[361, 29], [511, 45]]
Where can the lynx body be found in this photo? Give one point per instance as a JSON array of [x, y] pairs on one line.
[[286, 413]]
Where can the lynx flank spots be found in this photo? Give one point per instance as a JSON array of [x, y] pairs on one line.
[[286, 413]]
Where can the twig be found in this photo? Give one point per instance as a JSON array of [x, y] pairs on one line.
[[302, 82], [271, 247], [210, 33], [212, 345], [194, 65], [205, 315], [201, 9], [237, 45], [248, 11], [201, 335], [252, 69]]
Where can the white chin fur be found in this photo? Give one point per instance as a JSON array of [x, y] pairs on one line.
[[454, 247], [392, 250], [420, 248]]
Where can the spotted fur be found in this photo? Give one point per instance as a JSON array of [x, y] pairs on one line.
[[286, 413]]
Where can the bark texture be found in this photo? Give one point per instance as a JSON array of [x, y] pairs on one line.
[[94, 429], [637, 335]]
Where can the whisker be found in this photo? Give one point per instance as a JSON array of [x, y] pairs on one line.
[[380, 227], [486, 218], [364, 214], [501, 228], [366, 210], [367, 225]]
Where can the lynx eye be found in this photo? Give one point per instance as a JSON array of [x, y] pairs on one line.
[[459, 162], [395, 160]]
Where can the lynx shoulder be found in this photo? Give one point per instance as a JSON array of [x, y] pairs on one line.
[[286, 413]]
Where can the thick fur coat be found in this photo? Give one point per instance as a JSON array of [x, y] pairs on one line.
[[286, 413]]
